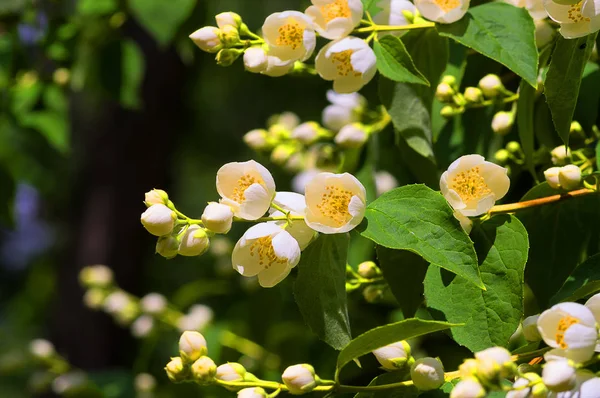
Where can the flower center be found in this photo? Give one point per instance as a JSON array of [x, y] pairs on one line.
[[244, 183], [335, 9], [469, 185], [447, 5], [343, 63], [291, 34], [574, 13], [334, 205], [564, 324], [263, 248]]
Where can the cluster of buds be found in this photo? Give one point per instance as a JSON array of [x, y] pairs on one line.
[[511, 153], [485, 372], [566, 177], [367, 277], [333, 203]]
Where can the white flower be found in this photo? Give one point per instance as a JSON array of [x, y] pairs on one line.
[[142, 326], [295, 203], [534, 7], [344, 109], [289, 35], [159, 220], [530, 330], [392, 13], [228, 18], [349, 62], [335, 203], [300, 379], [277, 67], [468, 388], [427, 373], [472, 185], [559, 375], [247, 187], [384, 182], [465, 222], [334, 19], [41, 349], [551, 176], [268, 251], [576, 20], [442, 11], [192, 345], [255, 60], [196, 319], [217, 217], [586, 386], [569, 177], [231, 371], [393, 356], [208, 39], [502, 122], [560, 155], [153, 303], [254, 392], [301, 179], [544, 32], [570, 328], [491, 86], [306, 133], [352, 136], [194, 241]]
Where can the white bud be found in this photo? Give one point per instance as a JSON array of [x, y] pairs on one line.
[[444, 92], [491, 86], [384, 182], [468, 388], [230, 36], [116, 302], [159, 220], [192, 345], [142, 326], [167, 246], [494, 362], [289, 120], [144, 382], [427, 373], [569, 177], [468, 368], [559, 375], [300, 379], [156, 197], [306, 133], [194, 241], [560, 155], [68, 383], [197, 318], [551, 176], [503, 122], [337, 116], [231, 371], [96, 276], [217, 217], [94, 298], [228, 18], [176, 371], [473, 95], [352, 136], [41, 349], [368, 269], [256, 139], [282, 153], [208, 39], [255, 60], [521, 387], [393, 356], [530, 329], [153, 303], [204, 370], [254, 392]]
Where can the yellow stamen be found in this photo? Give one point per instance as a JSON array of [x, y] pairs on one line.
[[291, 34], [574, 13], [564, 324], [334, 205], [447, 5], [263, 248], [244, 183], [469, 185], [336, 9], [343, 63]]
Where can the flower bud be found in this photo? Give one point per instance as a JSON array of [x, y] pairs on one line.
[[257, 139], [560, 155], [159, 220], [228, 18], [153, 303], [530, 329], [569, 177], [255, 392], [116, 302], [208, 39], [468, 368], [559, 375], [94, 298], [282, 153], [448, 111], [70, 383], [156, 197], [255, 60], [167, 246], [494, 363], [372, 294], [491, 86], [194, 241], [502, 156], [544, 32], [289, 120], [368, 269], [300, 379], [306, 133], [96, 276], [551, 176], [473, 95], [384, 182], [61, 76], [204, 370], [144, 383], [539, 390], [142, 326], [427, 373], [449, 80], [41, 349], [176, 371], [352, 136], [231, 371], [444, 92], [521, 387], [230, 35], [192, 345], [468, 388], [513, 147], [393, 356], [503, 122], [217, 217], [575, 128], [227, 56]]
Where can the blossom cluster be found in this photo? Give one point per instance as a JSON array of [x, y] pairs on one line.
[[333, 203]]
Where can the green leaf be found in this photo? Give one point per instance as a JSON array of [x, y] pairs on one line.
[[371, 6], [395, 63], [388, 334], [52, 125], [132, 72], [418, 219], [525, 112], [97, 7], [563, 80], [583, 282], [320, 289], [161, 18], [491, 316], [404, 272], [558, 234], [501, 32]]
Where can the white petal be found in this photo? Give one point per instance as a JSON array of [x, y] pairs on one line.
[[323, 64], [581, 337], [337, 28], [557, 12], [466, 162], [285, 246], [348, 84], [261, 230], [496, 178], [577, 311], [271, 276], [243, 262], [594, 305], [574, 30], [256, 204], [590, 8], [292, 201]]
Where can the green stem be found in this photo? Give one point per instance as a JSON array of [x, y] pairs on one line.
[[484, 104], [391, 28], [264, 219]]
